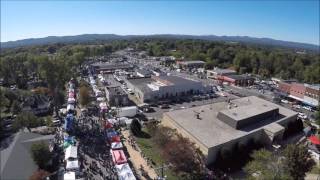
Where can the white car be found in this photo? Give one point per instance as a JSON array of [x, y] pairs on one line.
[[307, 108], [296, 106], [284, 101], [302, 115]]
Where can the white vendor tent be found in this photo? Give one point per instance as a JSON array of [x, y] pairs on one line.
[[69, 175], [71, 152], [124, 172], [70, 107], [72, 165], [99, 99], [71, 100], [116, 145]]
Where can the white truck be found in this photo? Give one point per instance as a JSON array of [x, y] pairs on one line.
[[129, 111]]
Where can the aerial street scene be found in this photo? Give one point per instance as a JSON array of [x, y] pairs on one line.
[[160, 90]]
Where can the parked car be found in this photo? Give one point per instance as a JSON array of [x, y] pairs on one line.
[[164, 106], [284, 101], [307, 108]]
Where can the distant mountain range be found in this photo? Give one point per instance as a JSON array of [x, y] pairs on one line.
[[87, 38]]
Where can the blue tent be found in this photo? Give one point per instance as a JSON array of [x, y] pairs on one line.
[[69, 120], [111, 134]]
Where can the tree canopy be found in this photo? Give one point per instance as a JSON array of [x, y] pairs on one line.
[[291, 163], [41, 154]]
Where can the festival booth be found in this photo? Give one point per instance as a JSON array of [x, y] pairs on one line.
[[101, 99], [70, 107], [111, 133], [72, 165], [71, 100], [69, 120], [71, 94], [68, 141], [124, 172], [118, 157], [69, 176], [116, 145], [71, 152], [71, 90], [112, 121], [108, 125], [115, 139], [315, 141]]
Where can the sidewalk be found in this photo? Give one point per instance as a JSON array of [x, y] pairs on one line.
[[137, 160]]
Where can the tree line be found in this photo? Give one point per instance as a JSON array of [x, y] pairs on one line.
[[260, 60]]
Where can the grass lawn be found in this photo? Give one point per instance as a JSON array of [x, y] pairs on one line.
[[315, 169], [151, 151]]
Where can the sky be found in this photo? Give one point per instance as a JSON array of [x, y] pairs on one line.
[[291, 20]]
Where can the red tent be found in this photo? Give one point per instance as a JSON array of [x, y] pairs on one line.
[[108, 125], [314, 140], [118, 156], [115, 139]]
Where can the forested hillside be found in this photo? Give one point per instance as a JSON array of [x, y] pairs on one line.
[[60, 60]]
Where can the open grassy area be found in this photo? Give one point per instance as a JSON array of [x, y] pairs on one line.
[[315, 169], [151, 151]]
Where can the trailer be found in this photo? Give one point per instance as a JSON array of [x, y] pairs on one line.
[[129, 111]]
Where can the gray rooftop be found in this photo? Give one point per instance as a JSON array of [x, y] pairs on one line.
[[248, 111], [16, 160], [115, 90], [177, 80], [211, 131]]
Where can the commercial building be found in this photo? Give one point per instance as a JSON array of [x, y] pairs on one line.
[[217, 73], [187, 65], [230, 77], [143, 73], [304, 93], [110, 67], [116, 96], [225, 124], [237, 80], [163, 87]]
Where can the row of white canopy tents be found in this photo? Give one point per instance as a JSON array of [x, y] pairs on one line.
[[72, 163], [98, 94], [71, 150]]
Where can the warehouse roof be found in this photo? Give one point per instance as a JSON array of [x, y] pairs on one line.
[[211, 131]]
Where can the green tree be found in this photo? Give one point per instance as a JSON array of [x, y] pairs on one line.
[[26, 120], [84, 95], [41, 154], [135, 127], [297, 161], [265, 165]]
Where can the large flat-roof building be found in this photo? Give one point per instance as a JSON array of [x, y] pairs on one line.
[[163, 87], [224, 124]]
